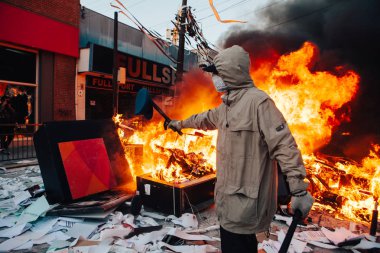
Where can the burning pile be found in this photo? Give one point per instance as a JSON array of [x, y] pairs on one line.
[[167, 156], [314, 103]]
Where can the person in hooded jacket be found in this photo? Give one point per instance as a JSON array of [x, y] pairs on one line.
[[252, 137]]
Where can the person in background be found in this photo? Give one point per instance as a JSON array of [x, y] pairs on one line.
[[7, 124], [252, 137], [19, 103]]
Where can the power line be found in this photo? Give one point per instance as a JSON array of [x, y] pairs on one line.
[[227, 8], [256, 10], [197, 11], [139, 2], [208, 7]]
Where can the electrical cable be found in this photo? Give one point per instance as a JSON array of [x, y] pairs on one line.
[[161, 44], [225, 9]]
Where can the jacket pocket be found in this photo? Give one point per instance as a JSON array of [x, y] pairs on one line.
[[240, 204], [244, 141]]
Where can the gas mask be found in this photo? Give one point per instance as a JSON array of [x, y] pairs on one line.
[[219, 84]]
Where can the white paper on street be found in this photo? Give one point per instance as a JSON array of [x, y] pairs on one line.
[[118, 231], [140, 241], [204, 230], [117, 218], [59, 251], [58, 244], [8, 221], [340, 235], [20, 197], [35, 210], [270, 246], [130, 220], [84, 229], [153, 215], [189, 248], [39, 229], [288, 220], [183, 235], [187, 220], [297, 245], [13, 243], [26, 246], [48, 238], [25, 161], [15, 231], [4, 194], [121, 249], [9, 205], [323, 245], [68, 222], [42, 227], [309, 236], [92, 249], [15, 186], [146, 221]]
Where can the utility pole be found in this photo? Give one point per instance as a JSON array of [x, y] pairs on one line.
[[115, 68], [181, 45]]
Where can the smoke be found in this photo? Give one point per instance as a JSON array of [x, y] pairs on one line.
[[347, 33]]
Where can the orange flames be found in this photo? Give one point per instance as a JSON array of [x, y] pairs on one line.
[[307, 99], [311, 101]]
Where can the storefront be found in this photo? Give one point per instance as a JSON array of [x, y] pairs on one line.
[[134, 73], [18, 75], [141, 65], [39, 47]]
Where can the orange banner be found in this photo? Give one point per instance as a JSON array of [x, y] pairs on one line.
[[218, 17]]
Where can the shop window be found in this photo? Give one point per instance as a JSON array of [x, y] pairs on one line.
[[17, 65]]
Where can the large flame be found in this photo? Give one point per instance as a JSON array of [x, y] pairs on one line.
[[307, 99], [314, 104]]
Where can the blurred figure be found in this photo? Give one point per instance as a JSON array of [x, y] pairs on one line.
[[7, 124], [19, 103]]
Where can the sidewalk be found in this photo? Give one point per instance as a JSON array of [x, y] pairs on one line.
[[20, 163]]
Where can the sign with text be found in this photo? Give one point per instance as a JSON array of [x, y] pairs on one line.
[[137, 68], [96, 82]]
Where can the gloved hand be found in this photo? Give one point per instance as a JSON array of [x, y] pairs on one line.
[[302, 201], [175, 125]]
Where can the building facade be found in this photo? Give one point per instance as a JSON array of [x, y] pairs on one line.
[[61, 56], [141, 65], [39, 47]]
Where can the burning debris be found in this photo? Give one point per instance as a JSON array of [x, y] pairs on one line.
[[347, 187], [192, 165]]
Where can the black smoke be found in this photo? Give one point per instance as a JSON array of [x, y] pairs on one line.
[[347, 33]]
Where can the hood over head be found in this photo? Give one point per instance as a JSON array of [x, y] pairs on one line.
[[233, 66]]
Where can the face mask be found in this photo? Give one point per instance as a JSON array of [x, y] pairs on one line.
[[220, 86]]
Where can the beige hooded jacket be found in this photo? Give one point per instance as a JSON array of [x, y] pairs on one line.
[[252, 134]]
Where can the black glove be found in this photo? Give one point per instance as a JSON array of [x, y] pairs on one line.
[[302, 201], [175, 125]]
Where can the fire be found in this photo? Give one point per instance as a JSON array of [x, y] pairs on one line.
[[352, 188], [314, 104], [307, 99], [162, 151]]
